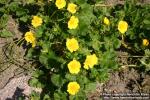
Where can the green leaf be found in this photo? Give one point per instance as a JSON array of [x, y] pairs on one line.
[[60, 95], [24, 18], [82, 79], [73, 32], [34, 96], [79, 1], [86, 16], [29, 53], [84, 51], [95, 43], [3, 20], [37, 73], [116, 43], [13, 6], [3, 9], [70, 77], [39, 85], [5, 33], [71, 97], [21, 12], [109, 60], [146, 21], [57, 96], [89, 87], [34, 82], [80, 97], [57, 80], [83, 24], [46, 97], [44, 59], [147, 52], [3, 1], [94, 72], [103, 75], [39, 31]]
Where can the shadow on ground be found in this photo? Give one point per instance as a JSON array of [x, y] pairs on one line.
[[18, 94]]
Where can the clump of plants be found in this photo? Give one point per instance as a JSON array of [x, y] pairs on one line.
[[74, 43], [73, 54]]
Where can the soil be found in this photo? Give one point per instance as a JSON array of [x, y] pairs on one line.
[[14, 75], [115, 2], [127, 80]]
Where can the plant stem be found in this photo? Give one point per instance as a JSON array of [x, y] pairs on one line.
[[53, 14], [135, 56], [20, 41]]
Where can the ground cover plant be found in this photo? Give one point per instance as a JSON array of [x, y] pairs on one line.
[[74, 43]]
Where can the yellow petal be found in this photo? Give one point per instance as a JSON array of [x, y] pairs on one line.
[[122, 26], [72, 8], [145, 42], [72, 44], [36, 21], [60, 4], [73, 22], [74, 66], [73, 88], [106, 21]]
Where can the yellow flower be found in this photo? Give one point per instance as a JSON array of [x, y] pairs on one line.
[[60, 4], [73, 22], [72, 8], [145, 42], [72, 44], [90, 61], [106, 21], [122, 26], [74, 67], [30, 38], [73, 88], [33, 44], [36, 21]]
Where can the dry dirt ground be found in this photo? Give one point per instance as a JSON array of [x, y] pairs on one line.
[[127, 80], [14, 73]]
